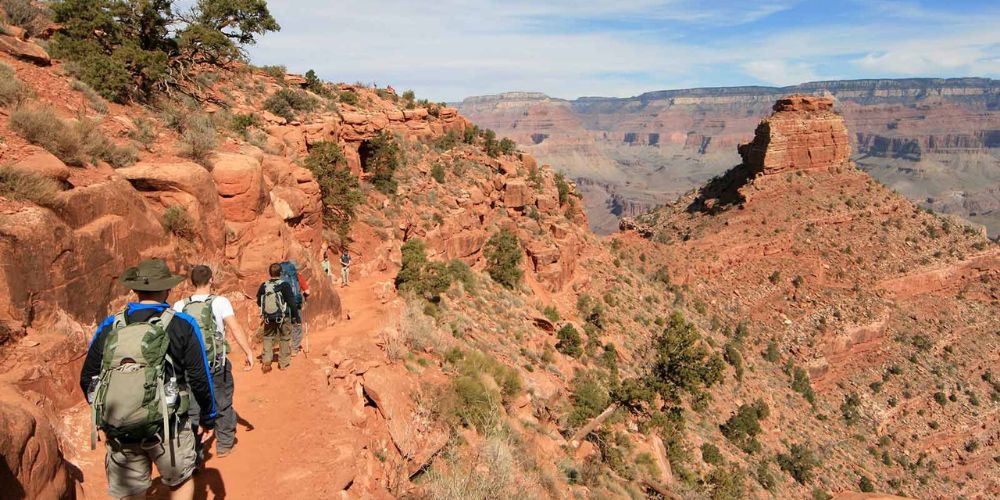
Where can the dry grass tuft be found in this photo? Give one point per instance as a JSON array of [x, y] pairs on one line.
[[20, 185]]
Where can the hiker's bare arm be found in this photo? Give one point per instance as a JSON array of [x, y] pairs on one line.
[[233, 326]]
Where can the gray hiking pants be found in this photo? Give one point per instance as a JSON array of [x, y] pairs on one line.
[[345, 275], [296, 337], [225, 423]]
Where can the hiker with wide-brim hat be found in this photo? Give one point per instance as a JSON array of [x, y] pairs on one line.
[[151, 275], [148, 341]]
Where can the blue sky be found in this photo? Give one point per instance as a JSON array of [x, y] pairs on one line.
[[447, 50]]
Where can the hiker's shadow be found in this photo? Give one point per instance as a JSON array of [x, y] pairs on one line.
[[209, 481], [208, 484]]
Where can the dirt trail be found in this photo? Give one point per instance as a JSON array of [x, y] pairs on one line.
[[295, 435]]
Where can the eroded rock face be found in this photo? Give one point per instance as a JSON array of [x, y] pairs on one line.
[[29, 449], [803, 134]]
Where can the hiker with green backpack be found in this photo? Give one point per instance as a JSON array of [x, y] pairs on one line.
[[278, 306], [216, 318], [142, 366]]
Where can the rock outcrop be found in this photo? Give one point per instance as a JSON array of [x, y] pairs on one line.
[[803, 133], [840, 273]]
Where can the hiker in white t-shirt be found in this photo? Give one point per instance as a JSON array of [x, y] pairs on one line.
[[216, 318]]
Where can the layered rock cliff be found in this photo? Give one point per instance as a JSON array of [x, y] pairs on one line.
[[915, 135]]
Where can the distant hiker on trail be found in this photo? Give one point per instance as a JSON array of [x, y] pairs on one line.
[[300, 290], [277, 304], [215, 317], [326, 265], [141, 367], [345, 268]]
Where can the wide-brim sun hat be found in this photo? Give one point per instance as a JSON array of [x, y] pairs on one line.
[[151, 275]]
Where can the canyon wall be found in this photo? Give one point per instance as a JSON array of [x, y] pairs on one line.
[[935, 140]]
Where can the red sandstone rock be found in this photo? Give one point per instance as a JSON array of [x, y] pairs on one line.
[[29, 448], [803, 134], [24, 50], [44, 163], [240, 182]]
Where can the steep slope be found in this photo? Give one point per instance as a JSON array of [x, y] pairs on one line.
[[934, 140], [891, 310]]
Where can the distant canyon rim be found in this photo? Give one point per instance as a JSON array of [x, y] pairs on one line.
[[936, 141]]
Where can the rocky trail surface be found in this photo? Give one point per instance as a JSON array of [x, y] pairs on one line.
[[296, 436]]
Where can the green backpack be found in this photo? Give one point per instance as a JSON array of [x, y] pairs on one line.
[[216, 346], [131, 396]]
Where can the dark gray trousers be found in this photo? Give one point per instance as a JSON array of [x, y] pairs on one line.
[[225, 423]]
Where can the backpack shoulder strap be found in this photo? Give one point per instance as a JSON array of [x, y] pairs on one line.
[[166, 318]]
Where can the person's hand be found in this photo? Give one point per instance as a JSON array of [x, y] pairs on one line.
[[207, 434], [248, 365]]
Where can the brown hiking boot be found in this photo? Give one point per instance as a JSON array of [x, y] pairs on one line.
[[265, 368]]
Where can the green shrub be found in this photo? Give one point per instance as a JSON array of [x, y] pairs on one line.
[[348, 97], [865, 485], [490, 144], [426, 279], [765, 477], [799, 462], [850, 409], [127, 51], [507, 146], [710, 454], [381, 156], [12, 91], [682, 362], [316, 85], [503, 258], [29, 186], [743, 427], [199, 140], [338, 186], [940, 398], [727, 483], [437, 172], [733, 356], [551, 313], [446, 142], [287, 102], [772, 354], [569, 341], [409, 97], [802, 385], [479, 402], [820, 494], [564, 190], [590, 398], [775, 277], [469, 134], [242, 123], [178, 221]]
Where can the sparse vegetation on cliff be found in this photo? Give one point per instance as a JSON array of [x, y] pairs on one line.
[[339, 187], [503, 258], [381, 157]]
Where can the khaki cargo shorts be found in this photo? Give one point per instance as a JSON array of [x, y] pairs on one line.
[[129, 466]]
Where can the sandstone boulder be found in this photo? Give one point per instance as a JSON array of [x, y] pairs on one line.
[[24, 50], [44, 163], [239, 180], [29, 448], [518, 194], [415, 435]]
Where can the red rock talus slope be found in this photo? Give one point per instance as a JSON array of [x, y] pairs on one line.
[[934, 140], [891, 310]]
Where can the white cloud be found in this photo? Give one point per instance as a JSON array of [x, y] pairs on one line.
[[781, 73], [450, 49]]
